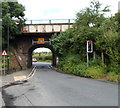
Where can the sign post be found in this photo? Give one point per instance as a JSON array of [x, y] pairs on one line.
[[4, 53], [89, 49], [87, 59], [4, 65]]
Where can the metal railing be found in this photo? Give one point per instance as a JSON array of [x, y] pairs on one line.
[[50, 21]]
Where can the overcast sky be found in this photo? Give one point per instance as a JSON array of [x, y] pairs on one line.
[[60, 9]]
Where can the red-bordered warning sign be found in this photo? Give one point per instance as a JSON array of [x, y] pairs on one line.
[[4, 53]]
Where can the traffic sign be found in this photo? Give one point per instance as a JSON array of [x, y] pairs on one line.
[[4, 53], [41, 40]]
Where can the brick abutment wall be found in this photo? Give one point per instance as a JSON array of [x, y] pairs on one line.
[[24, 48]]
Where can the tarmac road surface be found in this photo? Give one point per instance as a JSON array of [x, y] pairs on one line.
[[51, 88]]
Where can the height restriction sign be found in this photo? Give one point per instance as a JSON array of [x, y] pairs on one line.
[[4, 53], [41, 41]]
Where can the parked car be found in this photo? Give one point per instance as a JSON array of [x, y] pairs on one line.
[[34, 60]]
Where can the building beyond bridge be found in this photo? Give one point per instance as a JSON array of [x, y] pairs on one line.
[[37, 34]]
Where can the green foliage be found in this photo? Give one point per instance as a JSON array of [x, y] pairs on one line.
[[85, 28], [81, 69], [63, 42], [72, 64], [12, 19], [112, 76], [114, 67], [91, 16], [90, 24], [108, 42], [95, 62], [43, 56], [95, 72]]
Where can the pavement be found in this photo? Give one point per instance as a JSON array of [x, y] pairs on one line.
[[8, 79], [1, 100]]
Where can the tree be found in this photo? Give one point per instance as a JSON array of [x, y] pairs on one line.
[[86, 27], [12, 20], [91, 16], [109, 41], [62, 43]]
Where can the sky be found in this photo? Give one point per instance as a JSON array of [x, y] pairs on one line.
[[42, 50], [60, 9]]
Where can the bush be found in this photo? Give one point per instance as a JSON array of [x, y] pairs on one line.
[[95, 72], [48, 58], [69, 64], [112, 76], [72, 64], [95, 62], [113, 67], [68, 67], [81, 69]]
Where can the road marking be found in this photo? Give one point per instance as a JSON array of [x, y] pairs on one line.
[[17, 78]]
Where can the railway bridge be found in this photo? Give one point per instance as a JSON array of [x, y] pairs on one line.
[[37, 34]]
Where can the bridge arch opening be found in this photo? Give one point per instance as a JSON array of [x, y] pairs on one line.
[[34, 47], [42, 56]]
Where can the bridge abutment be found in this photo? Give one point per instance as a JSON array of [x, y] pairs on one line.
[[25, 47]]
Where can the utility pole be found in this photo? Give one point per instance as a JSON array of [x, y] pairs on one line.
[[8, 45]]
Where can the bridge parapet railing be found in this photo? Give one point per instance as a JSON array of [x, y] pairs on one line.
[[47, 26], [50, 21]]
